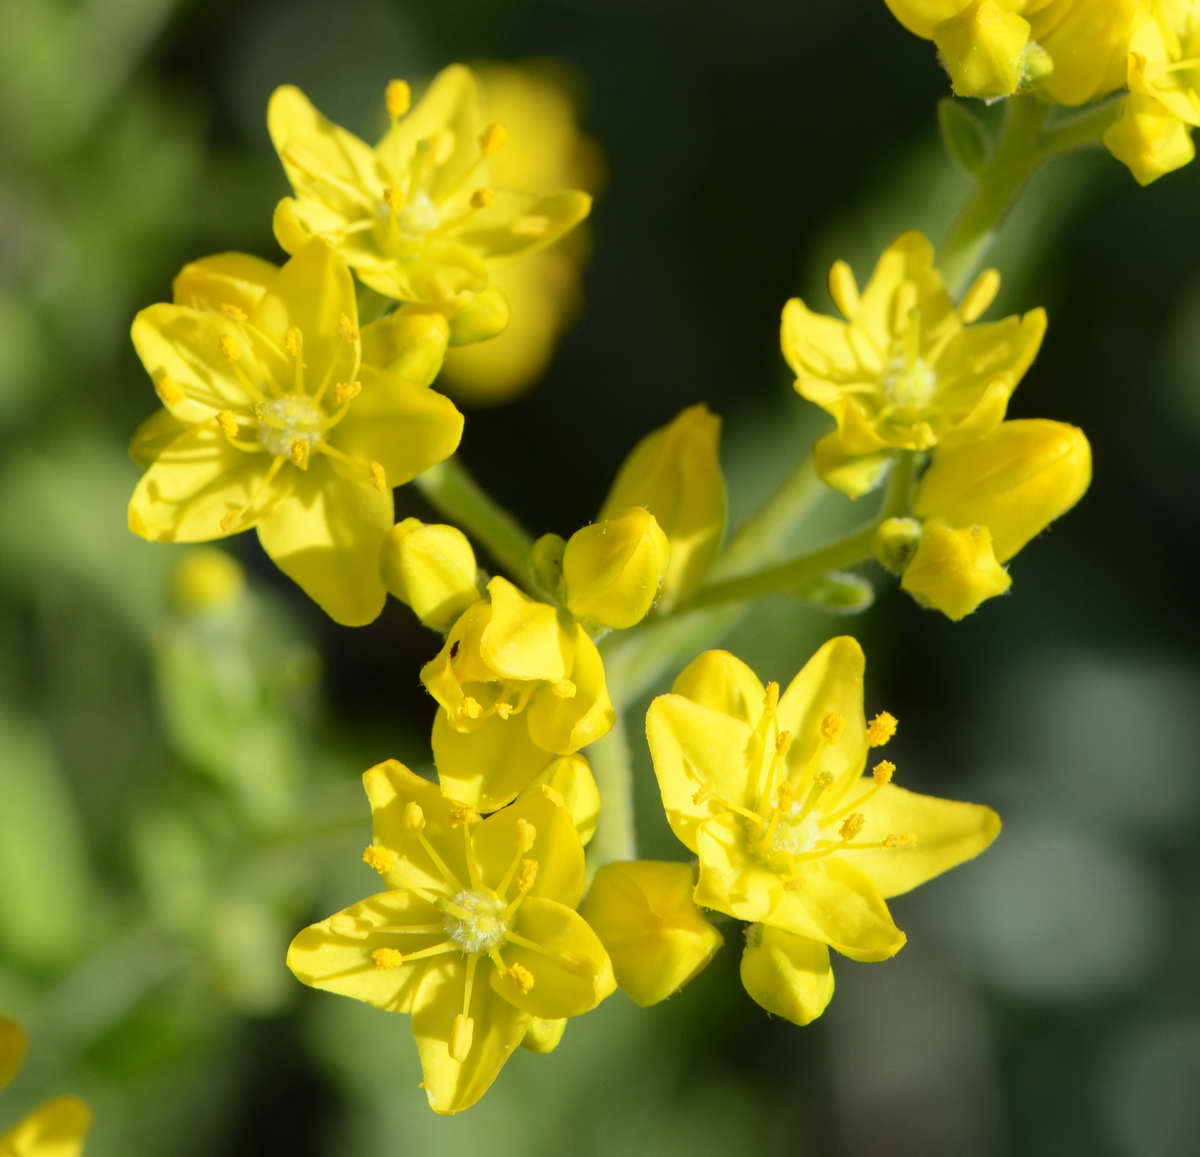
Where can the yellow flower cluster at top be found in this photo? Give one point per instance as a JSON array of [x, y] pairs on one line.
[[1073, 52]]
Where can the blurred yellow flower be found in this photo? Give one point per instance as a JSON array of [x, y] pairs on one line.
[[476, 936], [56, 1128], [418, 217], [535, 100], [906, 370], [280, 416], [1070, 51], [1153, 135], [515, 687], [769, 792]]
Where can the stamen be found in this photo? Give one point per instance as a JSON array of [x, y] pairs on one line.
[[229, 348], [881, 728], [832, 726], [228, 422], [347, 329], [387, 958], [382, 859], [394, 199], [293, 341], [526, 835], [903, 840], [169, 391], [378, 477], [482, 198], [979, 296], [299, 453], [521, 976], [233, 312], [231, 518], [461, 815], [460, 1037], [852, 825], [398, 96], [494, 138], [346, 392], [883, 771], [844, 289], [564, 689]]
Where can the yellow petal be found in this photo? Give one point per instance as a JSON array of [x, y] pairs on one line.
[[195, 483], [563, 723], [853, 474], [1088, 41], [516, 224], [645, 916], [675, 473], [184, 346], [390, 788], [405, 428], [488, 766], [314, 293], [907, 260], [522, 640], [236, 279], [153, 436], [571, 972], [695, 748], [55, 1128], [453, 1085], [336, 953], [556, 848], [314, 149], [13, 1045], [947, 833], [722, 682], [834, 902], [571, 776], [410, 342], [730, 880], [830, 683], [788, 975], [923, 16], [544, 1036], [328, 536], [1149, 139]]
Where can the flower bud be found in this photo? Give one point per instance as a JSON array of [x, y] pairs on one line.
[[896, 542], [983, 49], [675, 474], [1015, 481], [483, 317], [410, 343], [645, 916], [546, 566], [612, 570], [1148, 139], [954, 570], [787, 974], [206, 579], [432, 569]]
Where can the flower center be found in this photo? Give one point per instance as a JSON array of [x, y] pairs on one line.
[[909, 384], [797, 836], [419, 217], [282, 422], [475, 921]]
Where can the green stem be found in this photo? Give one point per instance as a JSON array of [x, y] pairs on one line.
[[612, 764], [449, 487], [790, 576]]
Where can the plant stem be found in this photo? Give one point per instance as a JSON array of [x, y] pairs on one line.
[[450, 487], [612, 764]]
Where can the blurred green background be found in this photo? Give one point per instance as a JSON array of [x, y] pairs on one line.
[[179, 793]]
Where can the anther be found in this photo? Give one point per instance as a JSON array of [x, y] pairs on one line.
[[387, 958], [844, 289], [823, 780], [233, 312], [832, 726], [494, 138], [347, 392], [293, 341], [461, 1036], [471, 708], [883, 771], [461, 814], [378, 477], [702, 796], [299, 453], [228, 423], [229, 348], [394, 199], [852, 825], [231, 518], [169, 391], [771, 698], [520, 976], [398, 95], [383, 860], [881, 728], [482, 198], [414, 816], [347, 328], [783, 744], [979, 296], [526, 835], [527, 875], [900, 840]]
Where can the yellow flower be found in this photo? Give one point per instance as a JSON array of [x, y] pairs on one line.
[[476, 935], [644, 914], [431, 568], [1015, 481], [1153, 135], [1070, 51], [279, 415], [545, 150], [613, 569], [56, 1128], [417, 217], [906, 370], [954, 569], [515, 687], [674, 472], [769, 792]]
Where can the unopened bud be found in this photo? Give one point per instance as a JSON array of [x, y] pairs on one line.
[[983, 50], [612, 570], [432, 568], [896, 542], [483, 317], [954, 570]]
